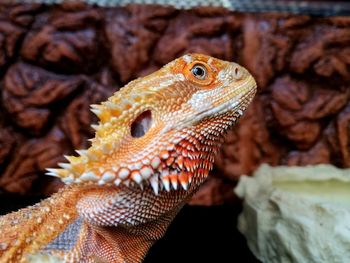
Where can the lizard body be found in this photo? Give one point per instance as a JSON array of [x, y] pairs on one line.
[[154, 145]]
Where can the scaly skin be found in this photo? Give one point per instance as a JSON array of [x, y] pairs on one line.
[[154, 145]]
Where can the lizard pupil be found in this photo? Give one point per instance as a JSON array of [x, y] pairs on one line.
[[199, 72], [141, 124]]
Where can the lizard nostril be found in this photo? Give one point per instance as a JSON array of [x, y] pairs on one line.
[[141, 124]]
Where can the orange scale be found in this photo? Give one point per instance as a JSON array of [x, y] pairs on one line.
[[170, 161], [166, 178], [116, 112], [188, 164], [202, 171], [180, 161], [173, 177], [105, 116], [183, 177], [184, 152], [164, 154]]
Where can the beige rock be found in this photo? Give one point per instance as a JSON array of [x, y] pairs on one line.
[[297, 214]]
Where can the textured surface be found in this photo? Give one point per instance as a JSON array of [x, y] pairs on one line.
[[56, 61], [293, 214]]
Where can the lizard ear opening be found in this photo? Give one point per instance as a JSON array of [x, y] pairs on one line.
[[141, 124]]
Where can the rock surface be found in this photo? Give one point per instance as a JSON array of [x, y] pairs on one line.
[[55, 61], [297, 214]]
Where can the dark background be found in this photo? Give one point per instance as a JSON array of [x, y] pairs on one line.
[[203, 234]]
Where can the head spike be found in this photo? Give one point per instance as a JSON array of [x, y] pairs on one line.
[[136, 176], [70, 159], [61, 173], [173, 179], [52, 172], [146, 172], [166, 183], [184, 185], [97, 112], [81, 152], [95, 106], [183, 178], [66, 166], [95, 126], [155, 184]]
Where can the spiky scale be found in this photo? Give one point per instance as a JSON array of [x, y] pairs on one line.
[[89, 176], [166, 183], [108, 176], [155, 184], [136, 176], [52, 172], [155, 162], [66, 166], [81, 152], [174, 181], [123, 173], [146, 172]]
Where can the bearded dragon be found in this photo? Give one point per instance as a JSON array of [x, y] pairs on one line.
[[153, 147]]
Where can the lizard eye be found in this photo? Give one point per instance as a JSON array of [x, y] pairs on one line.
[[141, 124], [199, 71]]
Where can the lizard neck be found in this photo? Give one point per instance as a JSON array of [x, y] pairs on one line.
[[119, 244]]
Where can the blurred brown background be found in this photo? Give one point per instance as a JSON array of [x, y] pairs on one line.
[[55, 61]]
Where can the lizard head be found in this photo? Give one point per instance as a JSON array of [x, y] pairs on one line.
[[162, 130]]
